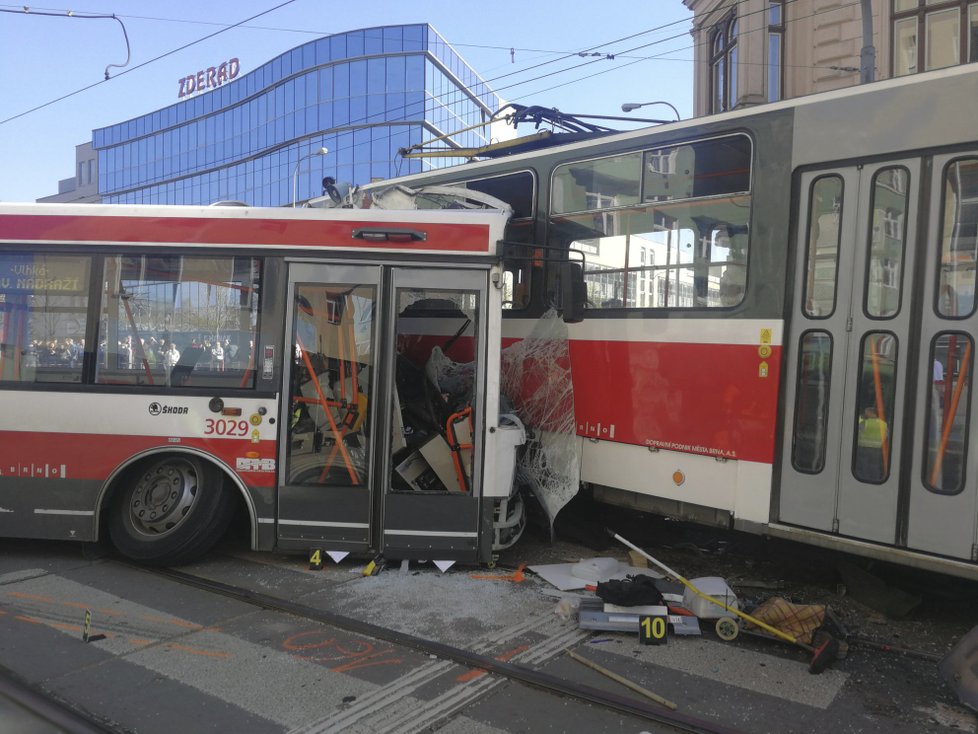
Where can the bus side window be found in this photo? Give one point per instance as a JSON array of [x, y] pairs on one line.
[[178, 321], [43, 317]]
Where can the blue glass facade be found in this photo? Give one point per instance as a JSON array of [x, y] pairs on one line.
[[362, 94]]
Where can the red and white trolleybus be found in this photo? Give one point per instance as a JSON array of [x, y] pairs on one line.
[[781, 314], [164, 367]]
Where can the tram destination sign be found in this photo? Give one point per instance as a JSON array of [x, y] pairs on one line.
[[210, 78]]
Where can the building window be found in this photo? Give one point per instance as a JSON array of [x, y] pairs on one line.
[[723, 62], [775, 49], [931, 34]]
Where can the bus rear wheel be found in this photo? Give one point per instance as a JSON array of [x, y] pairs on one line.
[[171, 511]]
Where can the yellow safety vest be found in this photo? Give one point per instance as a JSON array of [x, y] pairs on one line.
[[872, 433]]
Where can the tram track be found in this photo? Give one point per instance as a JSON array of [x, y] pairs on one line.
[[515, 670], [21, 703]]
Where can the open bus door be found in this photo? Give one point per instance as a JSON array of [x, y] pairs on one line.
[[384, 452]]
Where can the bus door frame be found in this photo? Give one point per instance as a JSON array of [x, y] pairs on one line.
[[375, 518], [452, 526], [312, 515]]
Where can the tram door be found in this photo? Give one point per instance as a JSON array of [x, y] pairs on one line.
[[379, 451], [944, 479], [848, 348]]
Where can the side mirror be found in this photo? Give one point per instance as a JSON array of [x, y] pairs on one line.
[[573, 292]]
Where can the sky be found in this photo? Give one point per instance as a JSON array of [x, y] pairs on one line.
[[529, 52]]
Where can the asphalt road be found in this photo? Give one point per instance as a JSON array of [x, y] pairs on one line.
[[164, 657]]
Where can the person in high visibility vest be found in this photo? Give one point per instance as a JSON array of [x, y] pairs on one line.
[[872, 434]]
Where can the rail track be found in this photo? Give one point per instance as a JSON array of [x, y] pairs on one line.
[[24, 707], [445, 654]]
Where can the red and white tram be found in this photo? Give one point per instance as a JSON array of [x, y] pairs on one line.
[[781, 312]]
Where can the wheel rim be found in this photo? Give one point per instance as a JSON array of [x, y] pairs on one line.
[[164, 497]]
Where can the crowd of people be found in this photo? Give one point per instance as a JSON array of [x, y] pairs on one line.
[[214, 354], [65, 352]]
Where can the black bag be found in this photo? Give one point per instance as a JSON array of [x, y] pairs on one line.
[[633, 591]]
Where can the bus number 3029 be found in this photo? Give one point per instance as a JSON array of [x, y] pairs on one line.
[[222, 427]]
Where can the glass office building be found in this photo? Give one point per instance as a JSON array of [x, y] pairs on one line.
[[362, 95]]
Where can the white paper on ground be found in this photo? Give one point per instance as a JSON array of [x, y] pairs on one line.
[[561, 575]]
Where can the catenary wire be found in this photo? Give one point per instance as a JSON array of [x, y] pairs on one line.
[[460, 94], [145, 63]]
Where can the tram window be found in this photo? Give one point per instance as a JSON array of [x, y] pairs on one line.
[[824, 213], [887, 243], [947, 416], [518, 262], [704, 168], [670, 255], [43, 316], [685, 245], [872, 434], [179, 321], [517, 190], [602, 183], [809, 437], [959, 240]]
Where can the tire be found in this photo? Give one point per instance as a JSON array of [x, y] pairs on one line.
[[170, 511]]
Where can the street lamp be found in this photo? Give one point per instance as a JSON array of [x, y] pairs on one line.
[[295, 172], [629, 106]]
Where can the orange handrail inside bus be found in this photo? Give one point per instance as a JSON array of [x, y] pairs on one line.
[[327, 406], [456, 447], [353, 404], [875, 357], [355, 411], [951, 413]]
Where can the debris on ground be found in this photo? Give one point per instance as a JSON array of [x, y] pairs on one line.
[[624, 681], [798, 620], [757, 567], [584, 573]]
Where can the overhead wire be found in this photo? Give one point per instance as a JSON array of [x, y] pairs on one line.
[[145, 63], [26, 10], [318, 33], [458, 94], [740, 61]]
